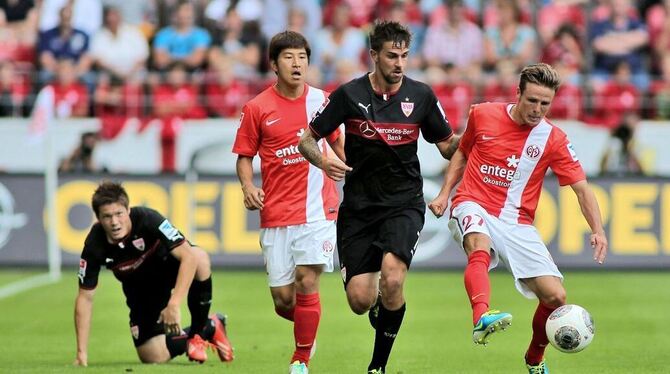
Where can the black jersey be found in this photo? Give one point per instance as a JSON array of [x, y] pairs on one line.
[[381, 139], [141, 262]]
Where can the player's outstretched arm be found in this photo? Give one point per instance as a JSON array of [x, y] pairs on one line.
[[83, 309], [591, 211], [309, 148], [253, 196], [188, 263], [453, 175], [448, 147]]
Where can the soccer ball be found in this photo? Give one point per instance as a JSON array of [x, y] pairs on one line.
[[570, 328]]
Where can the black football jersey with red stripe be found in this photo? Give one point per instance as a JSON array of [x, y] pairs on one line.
[[141, 262], [381, 139]]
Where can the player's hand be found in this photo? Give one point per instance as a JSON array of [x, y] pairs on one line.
[[599, 245], [439, 205], [81, 360], [253, 197], [334, 167], [170, 317]]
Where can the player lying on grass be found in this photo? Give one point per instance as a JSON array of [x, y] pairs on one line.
[[157, 268]]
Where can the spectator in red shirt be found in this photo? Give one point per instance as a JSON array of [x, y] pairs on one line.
[[71, 96], [556, 14], [618, 97], [14, 89], [454, 94], [225, 94], [503, 85], [564, 52], [177, 97], [114, 97]]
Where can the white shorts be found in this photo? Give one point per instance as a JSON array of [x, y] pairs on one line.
[[285, 247], [518, 246]]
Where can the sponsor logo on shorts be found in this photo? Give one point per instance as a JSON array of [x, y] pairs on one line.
[[343, 271], [82, 270], [327, 247], [169, 231], [135, 331]]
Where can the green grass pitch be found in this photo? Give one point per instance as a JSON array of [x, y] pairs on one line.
[[630, 311]]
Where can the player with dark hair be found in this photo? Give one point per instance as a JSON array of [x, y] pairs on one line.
[[383, 209], [158, 268], [297, 202], [503, 158]]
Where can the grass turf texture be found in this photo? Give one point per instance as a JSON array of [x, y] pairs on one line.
[[629, 309]]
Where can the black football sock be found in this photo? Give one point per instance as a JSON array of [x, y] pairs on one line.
[[388, 325], [199, 301], [176, 344]]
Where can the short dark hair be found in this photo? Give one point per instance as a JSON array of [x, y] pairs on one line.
[[285, 40], [541, 74], [389, 31], [109, 192]]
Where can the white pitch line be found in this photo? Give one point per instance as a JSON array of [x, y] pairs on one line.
[[27, 284]]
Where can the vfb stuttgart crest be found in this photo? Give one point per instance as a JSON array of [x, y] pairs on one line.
[[407, 108]]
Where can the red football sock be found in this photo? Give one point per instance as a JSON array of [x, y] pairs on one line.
[[477, 283], [286, 314], [307, 315], [539, 341]]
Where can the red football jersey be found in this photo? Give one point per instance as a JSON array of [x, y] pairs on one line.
[[507, 162], [296, 191]]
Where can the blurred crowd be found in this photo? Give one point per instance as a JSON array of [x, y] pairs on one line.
[[206, 58]]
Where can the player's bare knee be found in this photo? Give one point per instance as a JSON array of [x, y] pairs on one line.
[[307, 279], [306, 285], [360, 303], [283, 302], [555, 299], [391, 284], [152, 357]]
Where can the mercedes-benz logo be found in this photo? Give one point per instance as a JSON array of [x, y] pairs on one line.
[[8, 220], [366, 129]]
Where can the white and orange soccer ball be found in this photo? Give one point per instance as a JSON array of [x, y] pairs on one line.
[[570, 328]]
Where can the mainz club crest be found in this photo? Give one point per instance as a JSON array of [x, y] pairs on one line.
[[407, 108]]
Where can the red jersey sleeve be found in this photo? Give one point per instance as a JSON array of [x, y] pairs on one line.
[[468, 138], [247, 140], [564, 162]]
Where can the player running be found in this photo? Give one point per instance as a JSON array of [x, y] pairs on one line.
[[383, 209], [297, 202], [502, 159]]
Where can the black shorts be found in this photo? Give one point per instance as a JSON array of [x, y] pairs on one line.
[[144, 319], [148, 300], [363, 236]]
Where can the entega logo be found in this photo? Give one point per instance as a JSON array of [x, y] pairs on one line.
[[287, 152], [507, 175]]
